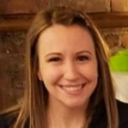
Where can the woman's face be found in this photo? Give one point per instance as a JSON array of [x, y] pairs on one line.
[[67, 64]]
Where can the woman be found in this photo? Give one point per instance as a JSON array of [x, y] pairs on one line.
[[69, 79]]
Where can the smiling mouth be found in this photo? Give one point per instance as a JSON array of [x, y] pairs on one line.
[[72, 89]]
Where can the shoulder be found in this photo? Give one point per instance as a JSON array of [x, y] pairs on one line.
[[122, 107], [4, 122], [123, 114], [99, 119]]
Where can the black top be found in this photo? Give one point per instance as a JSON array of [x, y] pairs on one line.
[[99, 119]]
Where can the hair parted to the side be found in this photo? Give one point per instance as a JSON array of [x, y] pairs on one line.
[[35, 102]]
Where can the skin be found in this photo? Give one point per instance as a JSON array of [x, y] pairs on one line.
[[68, 68]]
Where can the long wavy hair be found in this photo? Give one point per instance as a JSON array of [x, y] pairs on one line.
[[34, 104]]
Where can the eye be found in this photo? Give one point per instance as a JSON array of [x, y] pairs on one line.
[[54, 59], [82, 58]]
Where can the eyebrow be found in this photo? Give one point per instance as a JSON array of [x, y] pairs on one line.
[[59, 54], [53, 53], [84, 52]]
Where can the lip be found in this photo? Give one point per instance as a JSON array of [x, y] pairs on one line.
[[72, 89]]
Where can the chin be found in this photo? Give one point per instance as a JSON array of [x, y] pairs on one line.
[[72, 104]]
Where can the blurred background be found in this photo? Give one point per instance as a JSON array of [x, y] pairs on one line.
[[110, 16]]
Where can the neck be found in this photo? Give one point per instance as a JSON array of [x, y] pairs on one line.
[[61, 116]]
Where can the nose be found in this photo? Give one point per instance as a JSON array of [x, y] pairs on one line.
[[71, 72]]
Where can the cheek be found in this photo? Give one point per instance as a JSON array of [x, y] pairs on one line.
[[91, 71], [49, 75], [91, 74], [94, 75]]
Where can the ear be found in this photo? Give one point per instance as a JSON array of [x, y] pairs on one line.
[[39, 75]]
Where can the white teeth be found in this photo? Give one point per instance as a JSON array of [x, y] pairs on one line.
[[72, 88]]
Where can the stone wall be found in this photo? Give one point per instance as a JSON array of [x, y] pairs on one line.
[[12, 67], [12, 44]]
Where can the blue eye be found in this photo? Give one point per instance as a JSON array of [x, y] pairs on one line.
[[82, 58]]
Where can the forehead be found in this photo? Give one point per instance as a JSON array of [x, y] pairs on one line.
[[57, 30], [60, 35]]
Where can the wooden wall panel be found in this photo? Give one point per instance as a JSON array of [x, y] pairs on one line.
[[20, 6]]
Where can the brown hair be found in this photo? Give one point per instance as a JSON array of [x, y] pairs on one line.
[[35, 101]]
